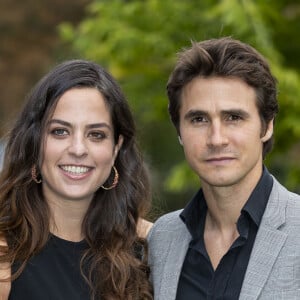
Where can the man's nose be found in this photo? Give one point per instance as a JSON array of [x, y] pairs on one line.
[[217, 135]]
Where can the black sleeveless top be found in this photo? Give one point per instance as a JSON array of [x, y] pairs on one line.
[[53, 274]]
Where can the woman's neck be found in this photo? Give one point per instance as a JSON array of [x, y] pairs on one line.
[[66, 219]]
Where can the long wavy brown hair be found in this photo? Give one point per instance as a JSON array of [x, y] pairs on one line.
[[110, 264]]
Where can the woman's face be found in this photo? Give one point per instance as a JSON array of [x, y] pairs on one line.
[[79, 147]]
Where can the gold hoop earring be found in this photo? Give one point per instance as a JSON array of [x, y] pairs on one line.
[[115, 181], [34, 175]]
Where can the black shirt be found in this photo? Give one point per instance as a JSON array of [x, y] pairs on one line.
[[53, 274], [198, 280]]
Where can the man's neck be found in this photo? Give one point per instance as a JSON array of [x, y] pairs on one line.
[[224, 204]]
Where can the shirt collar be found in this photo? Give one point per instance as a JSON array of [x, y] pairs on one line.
[[193, 213], [257, 202]]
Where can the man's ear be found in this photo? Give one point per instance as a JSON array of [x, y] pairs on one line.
[[180, 140], [269, 132]]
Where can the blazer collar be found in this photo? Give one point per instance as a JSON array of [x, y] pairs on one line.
[[268, 243], [178, 242]]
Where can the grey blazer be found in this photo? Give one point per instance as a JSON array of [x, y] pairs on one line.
[[273, 270]]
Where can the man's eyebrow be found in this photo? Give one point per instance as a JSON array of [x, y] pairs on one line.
[[238, 112], [90, 126], [194, 113]]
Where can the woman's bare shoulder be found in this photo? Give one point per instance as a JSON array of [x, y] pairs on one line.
[[143, 228], [5, 272]]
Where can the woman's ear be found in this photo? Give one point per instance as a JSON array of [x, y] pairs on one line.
[[118, 146], [269, 131]]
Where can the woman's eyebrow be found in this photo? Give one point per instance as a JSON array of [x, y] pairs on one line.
[[90, 126]]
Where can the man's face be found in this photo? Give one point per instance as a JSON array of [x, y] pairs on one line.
[[221, 131]]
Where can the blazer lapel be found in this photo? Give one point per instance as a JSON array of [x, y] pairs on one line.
[[267, 246], [179, 243], [264, 254]]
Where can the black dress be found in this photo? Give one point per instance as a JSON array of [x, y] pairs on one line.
[[53, 274]]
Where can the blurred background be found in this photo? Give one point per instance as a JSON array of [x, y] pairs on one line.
[[137, 41]]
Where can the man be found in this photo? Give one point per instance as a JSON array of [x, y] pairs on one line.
[[239, 237]]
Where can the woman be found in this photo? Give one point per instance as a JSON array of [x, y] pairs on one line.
[[73, 191]]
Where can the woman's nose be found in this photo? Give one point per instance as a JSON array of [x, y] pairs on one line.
[[78, 146]]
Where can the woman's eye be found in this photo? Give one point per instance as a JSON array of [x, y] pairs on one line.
[[59, 132], [97, 135]]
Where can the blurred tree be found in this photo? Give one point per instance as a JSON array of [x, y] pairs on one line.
[[30, 45], [137, 41]]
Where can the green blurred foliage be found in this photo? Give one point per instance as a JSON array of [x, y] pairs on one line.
[[137, 42]]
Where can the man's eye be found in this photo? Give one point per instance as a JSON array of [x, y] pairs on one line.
[[198, 119], [234, 118]]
